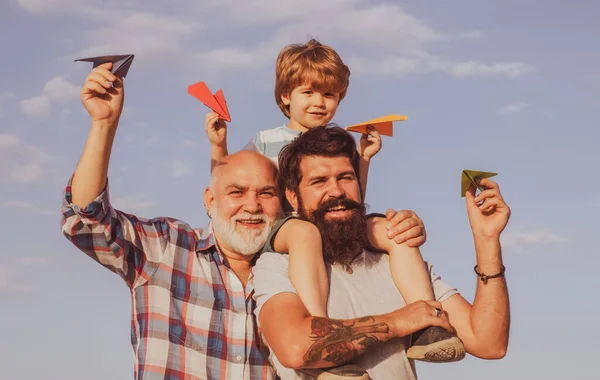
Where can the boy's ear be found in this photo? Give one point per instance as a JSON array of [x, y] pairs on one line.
[[208, 201], [285, 98], [292, 198]]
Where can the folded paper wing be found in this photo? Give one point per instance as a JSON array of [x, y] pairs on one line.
[[215, 102], [469, 177], [382, 124], [121, 63]]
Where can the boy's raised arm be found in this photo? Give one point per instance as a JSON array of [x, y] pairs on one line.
[[216, 130]]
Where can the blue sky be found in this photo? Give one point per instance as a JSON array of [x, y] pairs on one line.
[[505, 86]]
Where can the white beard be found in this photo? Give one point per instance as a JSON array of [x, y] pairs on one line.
[[241, 240]]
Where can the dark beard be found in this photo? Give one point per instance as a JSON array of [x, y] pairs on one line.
[[345, 239]]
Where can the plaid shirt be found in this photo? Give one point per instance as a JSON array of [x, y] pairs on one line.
[[191, 317]]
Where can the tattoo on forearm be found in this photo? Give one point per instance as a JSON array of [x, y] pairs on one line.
[[337, 342]]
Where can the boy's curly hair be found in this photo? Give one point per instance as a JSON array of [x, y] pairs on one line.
[[310, 63]]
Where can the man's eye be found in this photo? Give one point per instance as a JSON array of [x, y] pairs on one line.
[[267, 194]]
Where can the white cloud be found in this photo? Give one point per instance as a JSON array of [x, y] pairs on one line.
[[36, 105], [180, 168], [522, 240], [513, 108], [20, 161], [61, 90], [390, 41], [134, 204], [480, 69], [57, 89], [146, 34], [378, 39]]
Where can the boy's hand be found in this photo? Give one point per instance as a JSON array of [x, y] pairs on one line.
[[402, 226], [370, 143], [377, 234], [216, 129], [103, 100]]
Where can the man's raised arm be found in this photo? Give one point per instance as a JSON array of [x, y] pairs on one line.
[[129, 246], [104, 102], [484, 326]]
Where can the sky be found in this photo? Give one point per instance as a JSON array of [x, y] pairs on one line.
[[506, 86]]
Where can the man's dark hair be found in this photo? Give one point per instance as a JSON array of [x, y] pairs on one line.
[[328, 141]]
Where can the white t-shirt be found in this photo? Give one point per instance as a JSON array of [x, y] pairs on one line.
[[369, 290]]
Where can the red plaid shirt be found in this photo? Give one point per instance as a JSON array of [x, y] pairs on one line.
[[191, 316]]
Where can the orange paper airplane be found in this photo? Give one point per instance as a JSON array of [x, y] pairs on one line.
[[215, 102], [382, 124]]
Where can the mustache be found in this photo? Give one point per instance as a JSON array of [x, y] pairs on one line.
[[347, 203]]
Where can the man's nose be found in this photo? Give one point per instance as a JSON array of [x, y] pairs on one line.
[[335, 190], [252, 203]]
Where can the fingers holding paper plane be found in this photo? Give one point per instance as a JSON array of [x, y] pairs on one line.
[[370, 143], [216, 129], [102, 94], [488, 212]]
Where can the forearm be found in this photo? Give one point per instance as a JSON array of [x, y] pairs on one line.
[[308, 275], [321, 342], [90, 175], [363, 175], [217, 153], [490, 314]]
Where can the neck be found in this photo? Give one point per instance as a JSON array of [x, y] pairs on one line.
[[240, 264], [294, 125]]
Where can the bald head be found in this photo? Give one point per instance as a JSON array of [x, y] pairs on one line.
[[242, 161]]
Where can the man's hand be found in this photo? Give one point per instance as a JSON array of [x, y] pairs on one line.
[[402, 226], [370, 143], [216, 129], [102, 95], [417, 316], [488, 213]]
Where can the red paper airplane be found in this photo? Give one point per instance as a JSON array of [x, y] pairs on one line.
[[215, 102]]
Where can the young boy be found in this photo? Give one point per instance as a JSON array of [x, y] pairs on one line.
[[311, 81]]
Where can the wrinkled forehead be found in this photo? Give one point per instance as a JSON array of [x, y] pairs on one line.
[[247, 175]]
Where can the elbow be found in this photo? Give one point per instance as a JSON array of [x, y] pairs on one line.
[[292, 356], [491, 352]]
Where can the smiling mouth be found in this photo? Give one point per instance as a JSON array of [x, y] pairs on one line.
[[317, 113], [250, 221]]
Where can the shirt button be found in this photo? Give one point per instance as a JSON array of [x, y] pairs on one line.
[[238, 358]]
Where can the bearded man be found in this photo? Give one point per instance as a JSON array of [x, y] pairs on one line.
[[369, 322]]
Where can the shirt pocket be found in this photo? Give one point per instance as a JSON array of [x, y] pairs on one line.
[[196, 317]]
